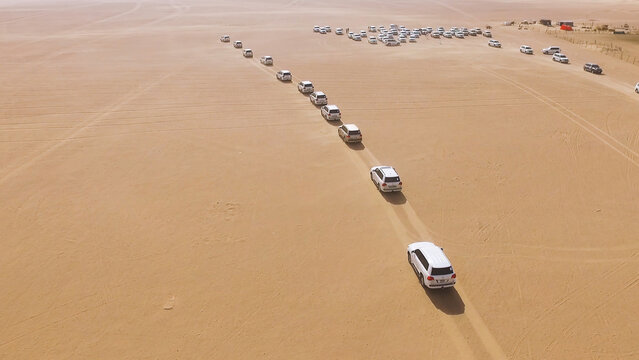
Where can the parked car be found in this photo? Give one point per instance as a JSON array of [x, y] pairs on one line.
[[357, 37], [316, 28], [349, 133], [551, 50], [559, 57], [318, 98], [448, 35], [472, 32], [322, 31], [402, 39], [386, 178], [372, 28], [247, 53], [392, 42], [525, 49], [435, 34], [350, 34], [331, 113], [494, 43], [266, 60], [327, 28], [237, 44], [363, 34], [225, 38], [284, 75], [487, 33], [431, 265], [305, 87], [459, 35], [372, 40], [339, 31], [412, 39], [593, 68]]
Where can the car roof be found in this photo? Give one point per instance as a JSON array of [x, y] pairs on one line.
[[331, 107], [319, 93], [387, 170], [351, 127], [433, 253], [305, 82], [266, 56], [284, 71]]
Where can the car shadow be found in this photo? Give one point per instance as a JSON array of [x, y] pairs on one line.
[[356, 146], [335, 122], [395, 198], [446, 300]]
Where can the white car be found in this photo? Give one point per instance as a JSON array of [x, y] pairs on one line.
[[551, 50], [339, 31], [266, 60], [559, 57], [316, 28], [350, 34], [372, 28], [402, 39], [247, 53], [322, 31], [487, 33], [237, 44], [412, 39], [448, 35], [363, 34], [318, 98], [392, 42], [472, 32], [225, 38], [305, 87], [331, 113], [435, 34], [349, 133], [327, 28], [284, 75], [459, 35], [525, 49], [386, 179], [357, 37], [494, 43], [372, 40], [637, 88], [431, 265]]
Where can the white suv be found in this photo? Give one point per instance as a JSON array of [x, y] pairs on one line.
[[525, 49], [551, 50], [339, 31], [431, 265], [349, 133], [318, 98], [305, 87], [331, 112], [386, 179], [266, 60], [225, 38], [284, 75], [559, 57], [247, 53], [494, 43], [637, 88], [237, 44]]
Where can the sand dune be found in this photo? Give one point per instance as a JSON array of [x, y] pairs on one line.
[[164, 197]]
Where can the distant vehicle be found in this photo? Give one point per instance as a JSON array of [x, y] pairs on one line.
[[266, 60], [412, 39], [525, 49], [372, 40], [331, 112], [316, 28], [448, 35], [392, 42], [465, 32], [402, 39], [593, 68], [386, 179], [494, 43], [441, 29], [478, 31], [318, 98], [551, 50], [431, 265], [350, 34], [472, 32], [487, 33], [339, 31], [327, 28], [559, 57], [637, 88], [305, 87], [237, 44], [284, 75], [372, 28], [459, 35], [225, 38], [362, 33], [322, 31], [247, 53], [434, 34], [357, 37], [349, 133]]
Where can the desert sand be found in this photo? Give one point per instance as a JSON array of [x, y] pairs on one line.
[[164, 197]]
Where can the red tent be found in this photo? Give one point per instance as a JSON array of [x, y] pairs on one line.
[[566, 27]]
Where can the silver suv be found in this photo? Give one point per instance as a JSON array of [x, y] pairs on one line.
[[386, 179], [318, 98], [331, 112], [349, 133], [305, 87], [552, 50], [284, 75]]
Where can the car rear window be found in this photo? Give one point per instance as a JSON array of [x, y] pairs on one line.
[[442, 271], [354, 132], [334, 111], [321, 96], [392, 179], [308, 85]]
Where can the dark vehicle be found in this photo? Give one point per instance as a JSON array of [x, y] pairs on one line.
[[593, 68]]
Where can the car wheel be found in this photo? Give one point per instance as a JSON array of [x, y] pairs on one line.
[[408, 253], [421, 280]]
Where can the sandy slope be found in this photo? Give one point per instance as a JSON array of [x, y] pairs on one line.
[[163, 197]]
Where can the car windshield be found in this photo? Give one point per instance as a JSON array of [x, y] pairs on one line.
[[392, 179], [442, 271]]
